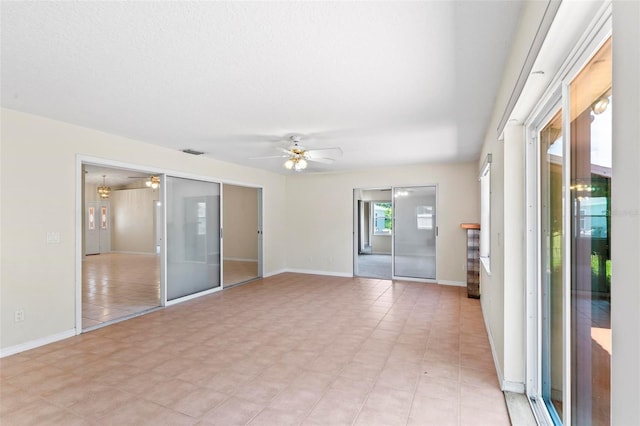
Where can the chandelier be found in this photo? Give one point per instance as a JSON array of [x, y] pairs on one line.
[[153, 182], [104, 190], [296, 162]]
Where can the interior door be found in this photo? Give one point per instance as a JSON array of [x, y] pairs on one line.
[[193, 236], [92, 229], [104, 225], [414, 232], [97, 227]]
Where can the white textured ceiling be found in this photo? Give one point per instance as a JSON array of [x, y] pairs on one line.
[[389, 82]]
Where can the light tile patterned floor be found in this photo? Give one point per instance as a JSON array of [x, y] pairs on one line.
[[238, 271], [116, 285], [290, 349]]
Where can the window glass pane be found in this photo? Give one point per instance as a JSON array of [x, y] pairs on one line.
[[92, 218], [382, 218], [424, 217], [590, 202], [551, 264], [485, 213]]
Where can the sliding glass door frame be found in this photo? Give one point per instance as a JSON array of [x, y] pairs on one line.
[[356, 225], [394, 238], [259, 229], [164, 242], [558, 97], [538, 355]]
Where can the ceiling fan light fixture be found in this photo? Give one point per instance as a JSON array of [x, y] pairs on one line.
[[288, 164], [600, 105], [301, 164], [153, 182], [295, 163]]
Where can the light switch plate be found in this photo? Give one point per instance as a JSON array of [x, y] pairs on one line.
[[53, 237]]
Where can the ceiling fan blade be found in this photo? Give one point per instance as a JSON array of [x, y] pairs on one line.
[[324, 152], [269, 156], [286, 151], [321, 160]]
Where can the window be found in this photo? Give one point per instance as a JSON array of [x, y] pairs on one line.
[[382, 218], [424, 216], [202, 218], [92, 218], [485, 214]]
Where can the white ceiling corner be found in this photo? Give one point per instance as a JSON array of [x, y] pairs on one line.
[[391, 83]]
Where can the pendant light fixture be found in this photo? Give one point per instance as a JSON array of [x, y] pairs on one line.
[[104, 190]]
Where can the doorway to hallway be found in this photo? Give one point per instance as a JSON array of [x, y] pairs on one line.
[[374, 224], [120, 258]]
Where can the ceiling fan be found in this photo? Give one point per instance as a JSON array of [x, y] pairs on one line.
[[298, 156], [152, 181]]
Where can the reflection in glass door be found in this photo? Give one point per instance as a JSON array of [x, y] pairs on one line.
[[415, 231], [193, 236], [590, 238]]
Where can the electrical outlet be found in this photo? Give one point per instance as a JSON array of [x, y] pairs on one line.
[[18, 316]]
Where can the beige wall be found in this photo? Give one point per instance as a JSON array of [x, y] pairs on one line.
[[132, 220], [240, 217], [320, 215], [40, 278], [502, 299], [381, 244]]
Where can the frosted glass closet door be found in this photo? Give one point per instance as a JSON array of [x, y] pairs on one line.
[[193, 236], [415, 232]]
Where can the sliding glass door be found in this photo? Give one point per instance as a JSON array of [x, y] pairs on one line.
[[572, 276], [193, 236], [414, 232], [590, 213], [551, 267], [242, 234]]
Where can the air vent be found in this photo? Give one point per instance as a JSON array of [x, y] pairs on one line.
[[192, 152]]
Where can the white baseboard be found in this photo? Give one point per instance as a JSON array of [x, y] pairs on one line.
[[327, 273], [276, 272], [496, 362], [505, 385], [453, 283], [416, 280], [12, 350]]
